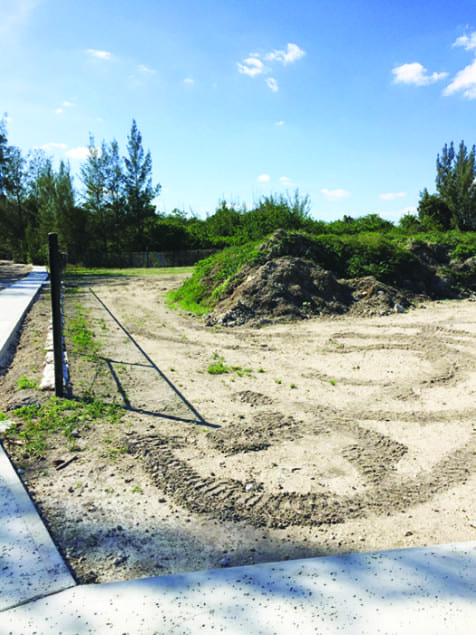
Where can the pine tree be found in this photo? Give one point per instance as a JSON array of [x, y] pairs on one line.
[[138, 188], [455, 183]]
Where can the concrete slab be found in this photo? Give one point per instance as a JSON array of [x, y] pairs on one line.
[[14, 303], [30, 564], [411, 591]]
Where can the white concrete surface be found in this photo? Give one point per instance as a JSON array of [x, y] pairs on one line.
[[30, 564], [412, 591], [14, 303]]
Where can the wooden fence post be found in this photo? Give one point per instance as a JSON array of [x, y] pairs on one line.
[[55, 275]]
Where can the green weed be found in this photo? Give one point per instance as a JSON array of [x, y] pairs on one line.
[[26, 382], [218, 368], [81, 337], [35, 424]]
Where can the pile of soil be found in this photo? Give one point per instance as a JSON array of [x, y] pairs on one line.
[[292, 286]]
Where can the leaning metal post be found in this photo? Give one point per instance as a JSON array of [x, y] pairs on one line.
[[55, 275]]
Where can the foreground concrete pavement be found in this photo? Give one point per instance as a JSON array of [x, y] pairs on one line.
[[422, 591], [409, 591]]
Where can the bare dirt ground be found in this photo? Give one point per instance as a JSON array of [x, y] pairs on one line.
[[328, 435]]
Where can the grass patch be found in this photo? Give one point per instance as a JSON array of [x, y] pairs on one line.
[[35, 424], [26, 382], [211, 277], [82, 338], [218, 367]]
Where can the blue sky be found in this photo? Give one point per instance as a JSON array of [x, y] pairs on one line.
[[348, 101]]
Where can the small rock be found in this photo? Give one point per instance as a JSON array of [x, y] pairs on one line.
[[224, 562], [120, 560], [250, 487], [90, 577], [409, 533], [399, 308]]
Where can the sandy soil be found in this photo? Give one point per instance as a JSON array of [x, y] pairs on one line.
[[328, 435]]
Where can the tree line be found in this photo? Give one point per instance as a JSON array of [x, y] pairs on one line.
[[114, 211]]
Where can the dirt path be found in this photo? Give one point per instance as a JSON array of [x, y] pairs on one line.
[[325, 436]]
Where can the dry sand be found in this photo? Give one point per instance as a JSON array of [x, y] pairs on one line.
[[327, 435]]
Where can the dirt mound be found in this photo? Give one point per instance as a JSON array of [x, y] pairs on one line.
[[292, 286], [285, 287]]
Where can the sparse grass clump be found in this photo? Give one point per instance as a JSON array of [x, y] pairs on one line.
[[82, 338], [26, 382], [33, 424], [218, 367]]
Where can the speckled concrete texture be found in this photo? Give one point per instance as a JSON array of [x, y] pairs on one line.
[[14, 303], [410, 591], [30, 565]]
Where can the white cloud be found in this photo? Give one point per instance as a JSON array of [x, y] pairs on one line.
[[391, 196], [335, 195], [464, 82], [80, 153], [279, 123], [284, 180], [264, 178], [467, 41], [146, 69], [415, 74], [48, 147], [252, 66], [292, 54], [189, 81], [102, 55], [65, 104]]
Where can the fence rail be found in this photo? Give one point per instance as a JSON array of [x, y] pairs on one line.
[[146, 258]]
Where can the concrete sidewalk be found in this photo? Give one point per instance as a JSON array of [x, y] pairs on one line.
[[410, 591], [15, 301]]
